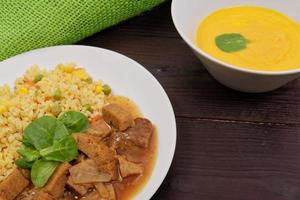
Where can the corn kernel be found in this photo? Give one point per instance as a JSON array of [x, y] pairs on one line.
[[23, 91], [60, 66], [68, 69], [98, 89], [3, 109], [80, 74]]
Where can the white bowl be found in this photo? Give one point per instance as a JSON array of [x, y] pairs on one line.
[[126, 77], [188, 14]]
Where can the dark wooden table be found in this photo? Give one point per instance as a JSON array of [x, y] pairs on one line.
[[231, 145]]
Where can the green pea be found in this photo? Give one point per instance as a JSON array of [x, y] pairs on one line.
[[38, 78], [88, 107], [89, 80], [106, 89], [57, 94], [56, 110], [36, 93]]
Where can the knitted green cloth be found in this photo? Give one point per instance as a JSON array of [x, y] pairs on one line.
[[30, 24]]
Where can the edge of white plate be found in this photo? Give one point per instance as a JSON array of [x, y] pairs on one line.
[[147, 191]]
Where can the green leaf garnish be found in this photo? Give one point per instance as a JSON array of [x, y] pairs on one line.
[[74, 121], [41, 171], [41, 132], [231, 42], [26, 143], [24, 164], [60, 132], [28, 154], [47, 142], [64, 150]]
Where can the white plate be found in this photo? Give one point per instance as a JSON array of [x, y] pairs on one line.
[[126, 77]]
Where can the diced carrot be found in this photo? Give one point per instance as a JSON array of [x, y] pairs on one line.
[[47, 98]]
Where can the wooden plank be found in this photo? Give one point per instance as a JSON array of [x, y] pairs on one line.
[[228, 161]]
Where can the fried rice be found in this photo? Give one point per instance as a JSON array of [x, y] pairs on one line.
[[43, 92]]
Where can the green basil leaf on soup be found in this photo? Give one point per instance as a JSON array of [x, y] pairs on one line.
[[28, 154], [41, 171], [63, 150], [74, 121], [23, 163], [231, 42]]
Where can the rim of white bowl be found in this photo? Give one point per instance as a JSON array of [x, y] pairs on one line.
[[213, 59]]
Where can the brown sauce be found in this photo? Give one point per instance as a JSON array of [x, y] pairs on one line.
[[127, 104], [130, 186]]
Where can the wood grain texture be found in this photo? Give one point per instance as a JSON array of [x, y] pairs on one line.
[[234, 161], [231, 145]]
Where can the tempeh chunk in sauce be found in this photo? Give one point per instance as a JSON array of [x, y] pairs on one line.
[[102, 155], [13, 185], [117, 116]]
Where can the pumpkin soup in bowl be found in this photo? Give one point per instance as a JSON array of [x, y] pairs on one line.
[[251, 37]]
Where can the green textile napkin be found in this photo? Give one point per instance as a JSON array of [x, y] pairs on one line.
[[30, 24]]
